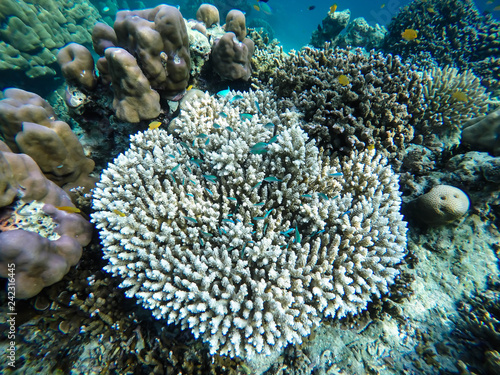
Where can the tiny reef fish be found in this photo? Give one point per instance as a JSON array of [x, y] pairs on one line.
[[119, 213], [333, 8], [460, 96], [154, 125], [343, 80], [224, 92], [189, 87], [311, 7], [409, 34], [69, 209]]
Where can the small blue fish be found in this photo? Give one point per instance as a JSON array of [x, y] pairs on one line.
[[183, 180], [224, 92], [189, 169], [345, 213], [185, 145], [323, 195], [286, 233], [191, 219], [306, 195], [258, 106], [263, 230], [259, 218], [259, 204], [236, 97], [221, 230], [202, 135], [206, 234], [273, 139], [268, 212], [201, 242], [223, 114], [192, 143], [175, 168], [210, 191], [190, 195], [257, 185], [228, 221], [179, 150], [201, 151], [297, 235], [259, 148], [246, 116], [172, 156], [173, 178], [210, 177], [216, 126], [336, 174], [194, 183], [233, 199], [207, 141], [196, 161], [269, 125], [229, 128], [271, 179]]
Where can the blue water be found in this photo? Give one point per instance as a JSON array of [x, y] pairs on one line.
[[293, 22]]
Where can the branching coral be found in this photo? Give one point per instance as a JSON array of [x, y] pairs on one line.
[[238, 227], [453, 32], [350, 99]]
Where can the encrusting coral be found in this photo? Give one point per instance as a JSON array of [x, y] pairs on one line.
[[238, 227]]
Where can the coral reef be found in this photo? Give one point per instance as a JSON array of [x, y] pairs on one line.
[[77, 66], [239, 228], [351, 100], [28, 125], [451, 98], [231, 58], [208, 14], [443, 204], [43, 242], [33, 31], [453, 32], [483, 133], [337, 29]]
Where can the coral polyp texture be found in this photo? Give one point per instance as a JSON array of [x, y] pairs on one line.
[[453, 32], [351, 99], [237, 226]]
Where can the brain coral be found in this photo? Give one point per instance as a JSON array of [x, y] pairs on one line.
[[239, 228]]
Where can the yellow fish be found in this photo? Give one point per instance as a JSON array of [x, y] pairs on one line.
[[497, 7], [189, 87], [382, 6], [343, 80], [333, 8], [371, 147], [69, 209], [118, 212], [256, 7], [431, 10], [460, 96], [409, 34], [154, 125]]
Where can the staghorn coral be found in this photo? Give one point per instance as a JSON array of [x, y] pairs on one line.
[[239, 228], [374, 108], [453, 32]]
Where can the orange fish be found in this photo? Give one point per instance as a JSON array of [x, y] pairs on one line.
[[154, 125], [69, 209], [409, 34], [256, 7], [431, 10], [371, 147], [343, 80], [333, 8], [189, 87]]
